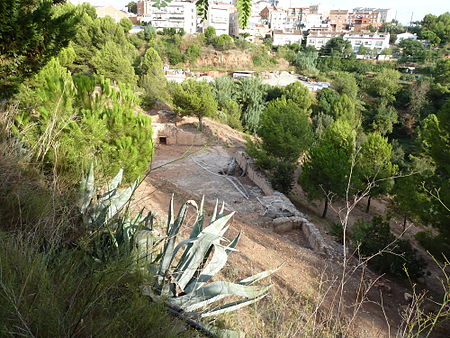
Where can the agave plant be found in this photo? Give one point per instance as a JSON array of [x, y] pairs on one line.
[[183, 269], [186, 282], [107, 216]]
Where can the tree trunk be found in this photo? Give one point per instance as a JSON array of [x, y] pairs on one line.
[[325, 208], [200, 123], [404, 223], [368, 203]]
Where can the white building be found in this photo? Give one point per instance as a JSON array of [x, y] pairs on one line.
[[404, 36], [277, 18], [219, 17], [379, 41], [318, 39], [284, 38], [177, 14]]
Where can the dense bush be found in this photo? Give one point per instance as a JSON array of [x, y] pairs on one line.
[[69, 122], [435, 245], [390, 254]]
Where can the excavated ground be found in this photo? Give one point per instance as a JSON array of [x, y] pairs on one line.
[[192, 172]]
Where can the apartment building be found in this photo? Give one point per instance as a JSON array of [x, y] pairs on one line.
[[379, 41], [177, 14], [280, 37], [318, 39], [362, 20], [385, 14], [338, 20], [219, 17]]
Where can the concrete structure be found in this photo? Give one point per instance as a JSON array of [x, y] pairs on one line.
[[284, 38], [404, 36], [219, 17], [177, 14], [110, 11]]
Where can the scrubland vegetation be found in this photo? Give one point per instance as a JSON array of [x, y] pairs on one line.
[[73, 89]]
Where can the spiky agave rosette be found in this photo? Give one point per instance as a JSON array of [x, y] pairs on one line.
[[183, 269]]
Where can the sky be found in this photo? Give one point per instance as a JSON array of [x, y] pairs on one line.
[[405, 8]]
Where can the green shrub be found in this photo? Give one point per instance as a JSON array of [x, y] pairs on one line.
[[223, 42], [63, 293], [66, 126], [437, 246], [391, 255], [337, 231]]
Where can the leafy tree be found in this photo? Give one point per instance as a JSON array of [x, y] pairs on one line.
[[374, 166], [149, 32], [306, 59], [413, 51], [372, 238], [337, 47], [439, 25], [152, 78], [224, 42], [435, 144], [111, 62], [195, 98], [325, 100], [321, 122], [193, 52], [132, 7], [299, 94], [285, 134], [431, 37], [225, 89], [31, 33], [345, 83], [210, 34], [250, 95], [230, 114], [68, 127], [325, 173], [385, 85], [345, 109], [363, 50], [382, 118], [126, 24]]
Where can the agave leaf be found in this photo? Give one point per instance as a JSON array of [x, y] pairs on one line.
[[257, 277], [87, 190], [214, 214], [218, 261], [170, 243], [222, 209], [215, 291], [232, 306], [170, 216], [112, 186], [143, 241], [197, 253], [195, 257], [118, 201]]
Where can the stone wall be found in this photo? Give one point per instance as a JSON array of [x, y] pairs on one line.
[[176, 136], [253, 172], [285, 216]]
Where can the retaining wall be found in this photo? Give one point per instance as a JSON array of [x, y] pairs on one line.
[[278, 206]]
